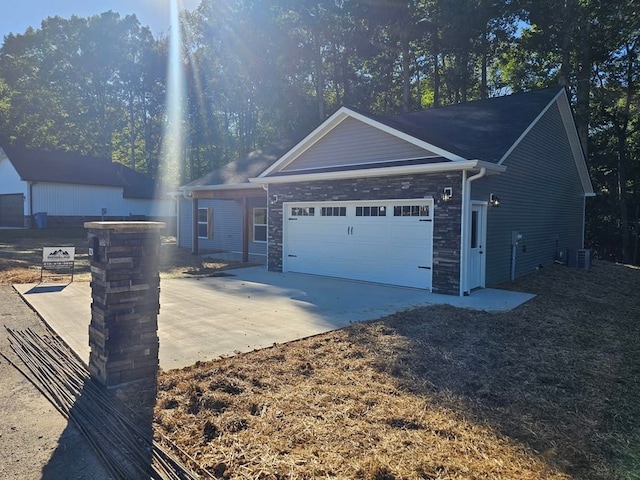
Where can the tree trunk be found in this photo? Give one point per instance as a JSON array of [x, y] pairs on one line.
[[317, 47], [464, 76], [406, 72], [483, 80], [436, 79], [583, 90], [636, 243], [132, 127], [623, 137], [622, 197]]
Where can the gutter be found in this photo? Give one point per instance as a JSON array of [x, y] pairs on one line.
[[230, 186], [465, 227], [383, 172]]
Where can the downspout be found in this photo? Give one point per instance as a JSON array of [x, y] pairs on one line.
[[584, 218], [464, 218]]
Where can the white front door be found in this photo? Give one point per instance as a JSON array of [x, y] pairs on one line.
[[477, 240], [378, 241]]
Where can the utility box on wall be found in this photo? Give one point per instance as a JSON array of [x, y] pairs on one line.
[[125, 294]]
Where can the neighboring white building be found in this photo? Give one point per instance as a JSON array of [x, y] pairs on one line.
[[72, 189]]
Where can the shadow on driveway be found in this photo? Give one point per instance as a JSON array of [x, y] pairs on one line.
[[204, 318]]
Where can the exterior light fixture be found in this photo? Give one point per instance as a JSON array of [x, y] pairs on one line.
[[447, 194], [274, 199], [494, 201]]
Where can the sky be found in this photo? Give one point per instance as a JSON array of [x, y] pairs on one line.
[[22, 14]]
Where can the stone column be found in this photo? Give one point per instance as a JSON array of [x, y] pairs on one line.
[[125, 294]]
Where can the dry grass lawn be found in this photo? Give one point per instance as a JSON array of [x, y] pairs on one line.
[[549, 390], [21, 256]]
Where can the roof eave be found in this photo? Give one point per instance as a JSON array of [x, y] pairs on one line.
[[223, 186], [337, 118], [383, 172]]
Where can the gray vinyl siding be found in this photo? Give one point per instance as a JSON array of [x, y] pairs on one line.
[[355, 142], [227, 226], [185, 225], [541, 197]]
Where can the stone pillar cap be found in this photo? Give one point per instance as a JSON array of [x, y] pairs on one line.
[[125, 226]]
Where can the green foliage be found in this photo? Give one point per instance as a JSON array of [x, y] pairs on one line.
[[258, 72]]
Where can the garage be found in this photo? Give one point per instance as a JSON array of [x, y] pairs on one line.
[[377, 241], [12, 210]]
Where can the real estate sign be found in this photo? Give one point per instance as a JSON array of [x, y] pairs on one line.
[[58, 258]]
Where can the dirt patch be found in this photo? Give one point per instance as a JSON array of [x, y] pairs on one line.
[[21, 257], [548, 390], [35, 440]]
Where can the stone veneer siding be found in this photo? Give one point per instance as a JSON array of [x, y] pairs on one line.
[[446, 227]]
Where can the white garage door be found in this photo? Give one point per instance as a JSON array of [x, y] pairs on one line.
[[12, 210], [384, 242]]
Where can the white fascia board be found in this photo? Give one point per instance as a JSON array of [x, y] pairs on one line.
[[308, 141], [337, 118], [230, 186], [576, 146], [383, 172]]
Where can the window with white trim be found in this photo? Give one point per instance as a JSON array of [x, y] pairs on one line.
[[411, 211], [371, 211], [303, 211], [205, 222], [260, 224], [333, 212]]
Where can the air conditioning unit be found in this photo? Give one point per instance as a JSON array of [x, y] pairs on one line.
[[583, 258]]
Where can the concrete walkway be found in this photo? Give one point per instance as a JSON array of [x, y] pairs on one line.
[[247, 309]]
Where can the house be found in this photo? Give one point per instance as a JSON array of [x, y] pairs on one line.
[[71, 189], [448, 199], [224, 214]]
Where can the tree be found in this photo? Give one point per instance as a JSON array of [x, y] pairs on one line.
[[80, 84]]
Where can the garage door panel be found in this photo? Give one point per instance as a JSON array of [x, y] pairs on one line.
[[12, 210], [385, 249]]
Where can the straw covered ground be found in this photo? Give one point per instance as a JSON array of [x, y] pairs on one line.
[[21, 256], [546, 391]]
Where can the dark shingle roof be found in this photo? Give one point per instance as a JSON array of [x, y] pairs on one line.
[[479, 130], [69, 167], [241, 170]]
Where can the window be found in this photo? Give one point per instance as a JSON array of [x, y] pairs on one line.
[[205, 222], [411, 211], [260, 224], [474, 229], [303, 211], [371, 211], [334, 211]]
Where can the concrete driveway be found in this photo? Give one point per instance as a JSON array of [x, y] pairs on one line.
[[247, 309]]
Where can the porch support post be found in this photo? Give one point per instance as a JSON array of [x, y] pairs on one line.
[[194, 219], [245, 229]]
